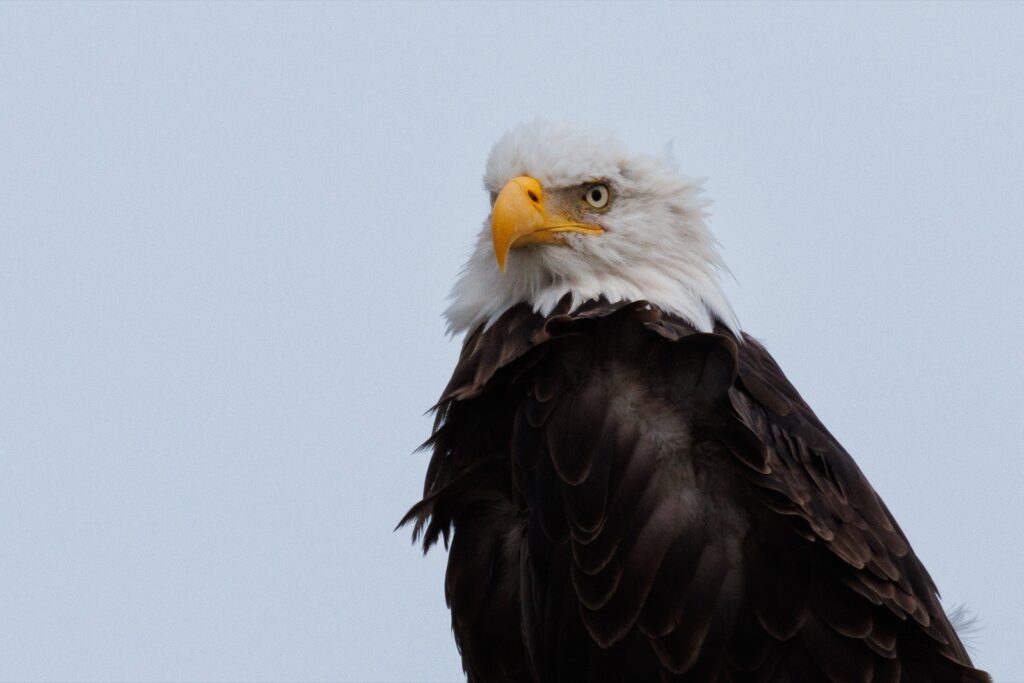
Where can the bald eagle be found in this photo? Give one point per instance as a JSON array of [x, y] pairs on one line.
[[629, 487]]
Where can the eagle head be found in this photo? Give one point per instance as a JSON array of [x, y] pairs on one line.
[[574, 212]]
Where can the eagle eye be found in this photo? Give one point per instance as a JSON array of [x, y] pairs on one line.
[[597, 196]]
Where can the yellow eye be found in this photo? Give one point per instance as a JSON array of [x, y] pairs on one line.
[[597, 196]]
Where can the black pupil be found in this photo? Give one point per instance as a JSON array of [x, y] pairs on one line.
[[595, 194]]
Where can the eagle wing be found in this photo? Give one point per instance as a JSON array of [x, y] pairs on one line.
[[633, 500], [872, 604]]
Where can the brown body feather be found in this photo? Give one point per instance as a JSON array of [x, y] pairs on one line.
[[627, 499]]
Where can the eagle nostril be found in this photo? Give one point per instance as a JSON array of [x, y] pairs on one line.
[[533, 196]]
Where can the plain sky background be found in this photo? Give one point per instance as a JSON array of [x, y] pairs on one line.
[[226, 236]]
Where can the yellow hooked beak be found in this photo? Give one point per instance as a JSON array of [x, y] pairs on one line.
[[519, 218]]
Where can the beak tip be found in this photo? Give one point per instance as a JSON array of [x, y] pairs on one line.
[[501, 254]]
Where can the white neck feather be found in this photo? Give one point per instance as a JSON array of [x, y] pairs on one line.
[[690, 290]]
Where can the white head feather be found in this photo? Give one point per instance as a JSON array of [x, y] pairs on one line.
[[656, 246]]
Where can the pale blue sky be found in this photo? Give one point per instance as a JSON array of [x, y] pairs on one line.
[[227, 232]]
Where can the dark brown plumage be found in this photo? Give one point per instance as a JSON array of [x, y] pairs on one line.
[[627, 499]]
